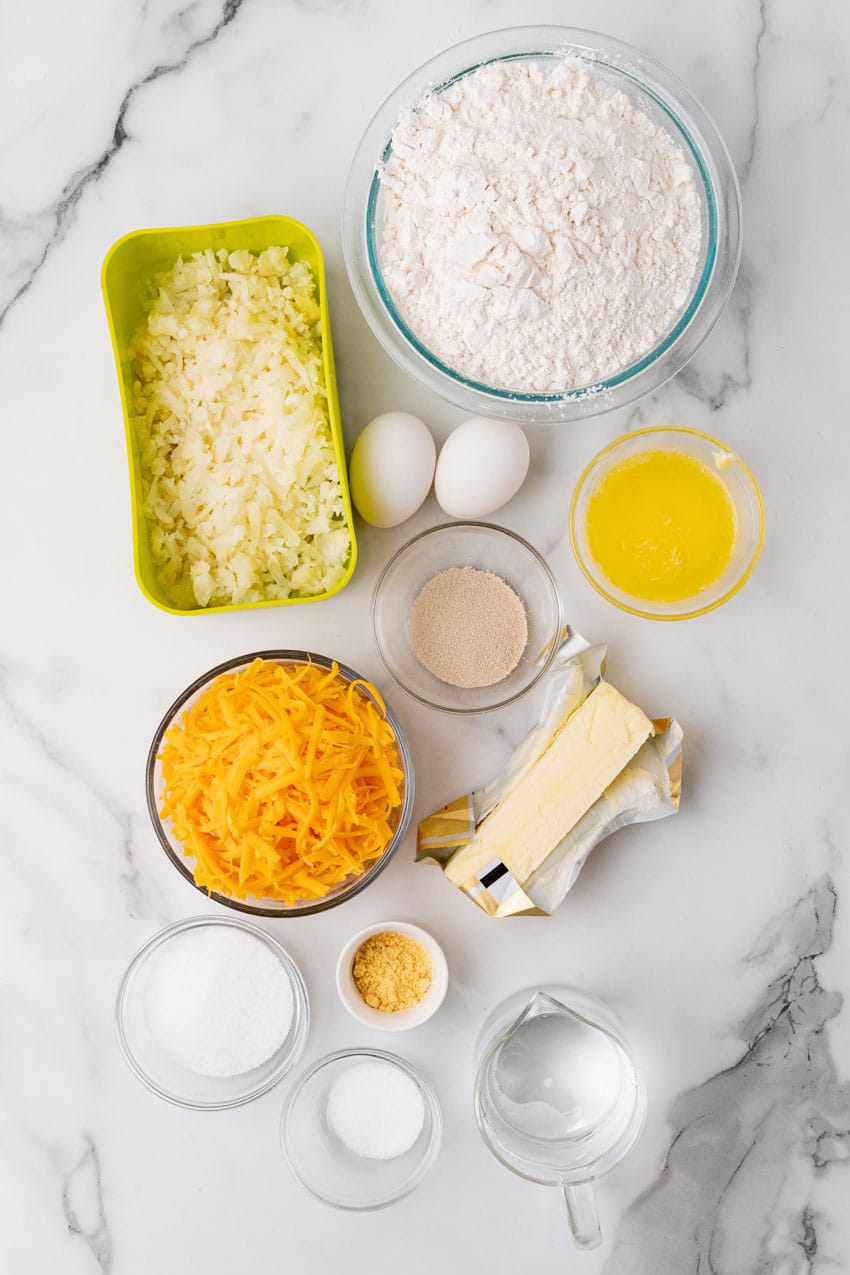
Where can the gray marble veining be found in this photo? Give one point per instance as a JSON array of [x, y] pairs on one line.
[[82, 1205], [735, 1191], [28, 245]]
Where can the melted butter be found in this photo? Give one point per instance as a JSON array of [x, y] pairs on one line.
[[661, 526]]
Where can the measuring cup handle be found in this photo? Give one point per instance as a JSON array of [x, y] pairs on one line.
[[584, 1221]]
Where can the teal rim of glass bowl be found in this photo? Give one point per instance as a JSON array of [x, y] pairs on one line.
[[579, 392]]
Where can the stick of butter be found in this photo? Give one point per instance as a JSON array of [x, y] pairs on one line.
[[604, 764]]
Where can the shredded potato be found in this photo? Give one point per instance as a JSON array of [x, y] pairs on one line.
[[241, 488], [281, 781]]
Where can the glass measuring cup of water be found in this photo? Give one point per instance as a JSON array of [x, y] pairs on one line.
[[558, 1097]]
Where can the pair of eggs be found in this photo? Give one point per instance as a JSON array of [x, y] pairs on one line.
[[481, 465]]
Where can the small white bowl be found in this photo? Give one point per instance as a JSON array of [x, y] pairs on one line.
[[402, 1019]]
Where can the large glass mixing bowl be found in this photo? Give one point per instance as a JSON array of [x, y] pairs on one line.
[[669, 104]]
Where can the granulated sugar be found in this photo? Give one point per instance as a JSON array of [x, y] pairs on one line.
[[218, 1001], [468, 627], [540, 232]]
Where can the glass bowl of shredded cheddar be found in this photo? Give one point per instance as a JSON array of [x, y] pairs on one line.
[[280, 783]]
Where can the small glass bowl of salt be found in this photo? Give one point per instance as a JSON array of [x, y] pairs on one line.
[[211, 1013], [360, 1129]]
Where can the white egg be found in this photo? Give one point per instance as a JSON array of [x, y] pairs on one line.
[[482, 465], [392, 468]]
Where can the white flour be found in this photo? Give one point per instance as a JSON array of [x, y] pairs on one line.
[[540, 233]]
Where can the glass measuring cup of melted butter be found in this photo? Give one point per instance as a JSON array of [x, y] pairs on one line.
[[558, 1098]]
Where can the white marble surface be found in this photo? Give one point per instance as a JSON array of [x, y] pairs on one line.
[[720, 936]]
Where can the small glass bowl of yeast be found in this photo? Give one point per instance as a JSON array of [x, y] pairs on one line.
[[482, 547]]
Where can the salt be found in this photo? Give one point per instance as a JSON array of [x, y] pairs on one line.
[[218, 1001], [376, 1109]]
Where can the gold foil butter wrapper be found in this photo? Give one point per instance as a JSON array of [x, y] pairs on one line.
[[593, 764]]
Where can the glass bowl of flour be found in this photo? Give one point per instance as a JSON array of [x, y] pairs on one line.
[[542, 224]]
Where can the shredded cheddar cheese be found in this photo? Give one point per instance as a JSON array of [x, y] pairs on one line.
[[281, 781]]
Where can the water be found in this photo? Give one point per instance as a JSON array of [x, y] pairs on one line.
[[556, 1077], [558, 1097]]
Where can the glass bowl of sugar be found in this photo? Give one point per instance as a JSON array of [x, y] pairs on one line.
[[211, 1013], [360, 1129], [542, 224], [466, 617]]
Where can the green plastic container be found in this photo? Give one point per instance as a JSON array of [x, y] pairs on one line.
[[127, 267]]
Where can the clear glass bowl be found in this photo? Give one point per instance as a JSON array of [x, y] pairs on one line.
[[465, 544], [165, 1077], [739, 482], [174, 849], [323, 1164], [669, 104]]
